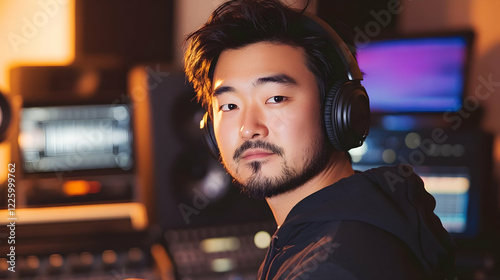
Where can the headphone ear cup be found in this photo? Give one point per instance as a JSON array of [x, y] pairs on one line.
[[208, 136], [347, 115]]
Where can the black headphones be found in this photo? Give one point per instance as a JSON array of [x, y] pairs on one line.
[[346, 104]]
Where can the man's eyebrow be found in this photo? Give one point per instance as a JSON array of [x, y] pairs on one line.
[[278, 78], [223, 89]]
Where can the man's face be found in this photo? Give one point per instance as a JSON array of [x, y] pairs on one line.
[[267, 118]]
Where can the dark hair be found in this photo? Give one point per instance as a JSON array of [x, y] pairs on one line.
[[238, 23]]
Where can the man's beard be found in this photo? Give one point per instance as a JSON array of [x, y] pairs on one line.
[[260, 187]]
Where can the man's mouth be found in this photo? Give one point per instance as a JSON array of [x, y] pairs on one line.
[[253, 154], [255, 150]]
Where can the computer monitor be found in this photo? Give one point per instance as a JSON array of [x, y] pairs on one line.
[[424, 74], [73, 138]]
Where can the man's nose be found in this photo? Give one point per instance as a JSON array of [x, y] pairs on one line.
[[253, 124]]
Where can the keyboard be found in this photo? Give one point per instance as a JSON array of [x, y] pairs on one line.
[[219, 252], [107, 264]]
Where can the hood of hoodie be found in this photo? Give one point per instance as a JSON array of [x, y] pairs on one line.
[[391, 198]]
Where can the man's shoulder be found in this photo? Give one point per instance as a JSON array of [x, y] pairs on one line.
[[368, 250], [350, 250]]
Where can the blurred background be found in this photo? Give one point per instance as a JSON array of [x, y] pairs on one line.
[[104, 174]]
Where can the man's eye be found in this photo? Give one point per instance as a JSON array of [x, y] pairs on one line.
[[276, 99], [228, 107]]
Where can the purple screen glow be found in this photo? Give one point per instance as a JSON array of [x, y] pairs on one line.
[[414, 75]]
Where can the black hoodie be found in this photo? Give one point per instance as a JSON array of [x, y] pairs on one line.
[[377, 224]]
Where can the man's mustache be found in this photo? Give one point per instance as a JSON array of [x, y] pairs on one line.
[[257, 144]]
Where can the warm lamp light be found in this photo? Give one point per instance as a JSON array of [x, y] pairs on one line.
[[36, 33]]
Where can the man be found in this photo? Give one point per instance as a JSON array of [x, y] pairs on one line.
[[265, 73]]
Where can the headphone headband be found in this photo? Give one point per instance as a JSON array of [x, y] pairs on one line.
[[350, 64]]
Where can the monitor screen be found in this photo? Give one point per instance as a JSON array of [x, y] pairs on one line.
[[451, 192], [68, 138], [415, 75], [451, 188]]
